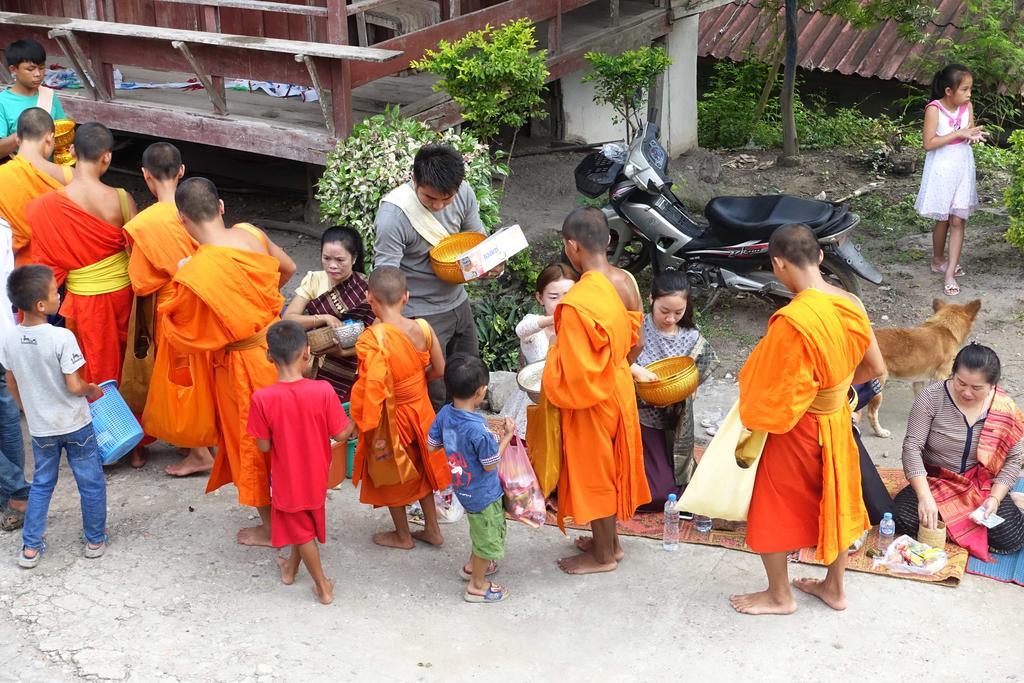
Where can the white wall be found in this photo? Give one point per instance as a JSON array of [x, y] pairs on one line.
[[585, 121]]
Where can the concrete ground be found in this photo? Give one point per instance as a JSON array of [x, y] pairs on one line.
[[175, 598]]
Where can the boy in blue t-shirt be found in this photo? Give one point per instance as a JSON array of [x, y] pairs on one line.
[[473, 455], [26, 62]]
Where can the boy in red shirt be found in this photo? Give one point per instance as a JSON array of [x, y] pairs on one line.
[[294, 418]]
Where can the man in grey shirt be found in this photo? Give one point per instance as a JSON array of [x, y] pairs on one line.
[[439, 182]]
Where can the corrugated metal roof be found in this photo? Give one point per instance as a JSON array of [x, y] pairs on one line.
[[741, 30]]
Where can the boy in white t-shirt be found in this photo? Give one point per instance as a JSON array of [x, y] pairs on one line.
[[44, 363]]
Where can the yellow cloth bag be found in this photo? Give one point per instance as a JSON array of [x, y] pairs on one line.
[[137, 368], [544, 443], [720, 487]]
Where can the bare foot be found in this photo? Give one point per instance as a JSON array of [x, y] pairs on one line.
[[391, 539], [828, 595], [428, 536], [762, 603], [198, 460], [138, 457], [324, 594], [586, 544], [255, 535], [584, 563], [287, 573]]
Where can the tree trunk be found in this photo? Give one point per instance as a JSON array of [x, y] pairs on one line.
[[790, 147]]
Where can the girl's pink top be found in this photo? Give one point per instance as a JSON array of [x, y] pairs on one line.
[[954, 123]]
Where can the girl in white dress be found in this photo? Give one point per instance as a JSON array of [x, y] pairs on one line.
[[948, 194], [536, 334]]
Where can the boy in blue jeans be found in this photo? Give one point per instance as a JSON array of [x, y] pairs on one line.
[[44, 363], [473, 455]]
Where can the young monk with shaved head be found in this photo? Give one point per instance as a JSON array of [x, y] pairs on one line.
[[587, 376], [795, 386], [226, 296], [27, 176], [77, 233], [180, 397], [397, 358]]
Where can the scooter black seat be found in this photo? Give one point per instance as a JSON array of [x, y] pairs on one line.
[[747, 218]]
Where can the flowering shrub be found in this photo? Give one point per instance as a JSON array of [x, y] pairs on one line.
[[377, 157]]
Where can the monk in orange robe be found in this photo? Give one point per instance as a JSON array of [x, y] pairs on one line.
[[587, 376], [28, 175], [180, 404], [225, 297], [397, 358], [77, 232], [795, 386]]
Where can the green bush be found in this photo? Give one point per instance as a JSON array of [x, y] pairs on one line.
[[495, 75], [377, 157], [624, 81], [725, 117], [1014, 195], [497, 309]]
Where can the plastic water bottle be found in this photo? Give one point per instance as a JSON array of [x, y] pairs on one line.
[[886, 532], [702, 523], [670, 536]]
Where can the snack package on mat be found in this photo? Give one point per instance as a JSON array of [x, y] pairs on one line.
[[907, 556], [523, 498]]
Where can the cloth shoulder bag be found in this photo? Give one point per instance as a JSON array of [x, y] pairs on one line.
[[137, 368]]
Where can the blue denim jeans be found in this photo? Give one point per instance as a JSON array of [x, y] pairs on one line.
[[12, 448], [87, 467]]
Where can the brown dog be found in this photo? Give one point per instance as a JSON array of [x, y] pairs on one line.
[[923, 353]]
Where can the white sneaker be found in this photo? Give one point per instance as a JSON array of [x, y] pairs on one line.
[[93, 552]]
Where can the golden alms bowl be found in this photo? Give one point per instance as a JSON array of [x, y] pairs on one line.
[[444, 258], [677, 381], [63, 134]]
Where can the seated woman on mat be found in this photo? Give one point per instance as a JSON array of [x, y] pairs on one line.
[[963, 451], [328, 297]]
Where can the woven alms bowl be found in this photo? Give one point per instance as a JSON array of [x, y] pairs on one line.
[[321, 339], [677, 380], [444, 258], [63, 133]]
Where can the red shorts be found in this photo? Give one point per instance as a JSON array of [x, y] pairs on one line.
[[296, 528]]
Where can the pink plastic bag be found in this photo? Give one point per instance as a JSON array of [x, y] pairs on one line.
[[523, 499]]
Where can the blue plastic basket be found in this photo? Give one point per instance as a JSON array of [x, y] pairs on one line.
[[117, 430]]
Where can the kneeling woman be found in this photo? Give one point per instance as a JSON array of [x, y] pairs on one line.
[[329, 296], [963, 451]]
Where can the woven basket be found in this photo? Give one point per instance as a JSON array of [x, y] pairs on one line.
[[444, 258], [321, 339], [63, 133], [677, 380], [936, 537]]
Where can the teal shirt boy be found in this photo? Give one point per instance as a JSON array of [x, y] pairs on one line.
[[12, 104]]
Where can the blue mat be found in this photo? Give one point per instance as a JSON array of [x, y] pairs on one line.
[[1006, 568]]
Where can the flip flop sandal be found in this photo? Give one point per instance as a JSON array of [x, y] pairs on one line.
[[492, 568], [12, 519], [959, 272], [490, 596], [951, 289]]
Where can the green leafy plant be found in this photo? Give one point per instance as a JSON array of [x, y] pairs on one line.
[[495, 75], [378, 156], [497, 309], [624, 82], [1014, 195]]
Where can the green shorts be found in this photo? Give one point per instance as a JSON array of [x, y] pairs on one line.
[[487, 531]]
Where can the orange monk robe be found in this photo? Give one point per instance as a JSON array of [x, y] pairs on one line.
[[587, 376], [223, 303], [20, 183], [176, 411], [402, 366], [66, 238], [807, 491]]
